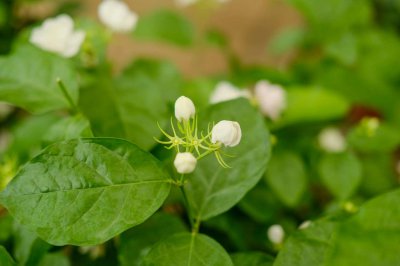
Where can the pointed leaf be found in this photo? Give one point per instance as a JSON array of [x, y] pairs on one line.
[[341, 173], [187, 249], [287, 177], [28, 78], [84, 192]]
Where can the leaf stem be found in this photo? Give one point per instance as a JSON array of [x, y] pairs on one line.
[[186, 203], [67, 96]]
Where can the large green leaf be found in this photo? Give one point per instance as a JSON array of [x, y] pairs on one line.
[[5, 258], [252, 259], [309, 246], [84, 192], [312, 105], [341, 173], [212, 189], [130, 106], [287, 177], [372, 236], [187, 249], [165, 26], [136, 242], [28, 78]]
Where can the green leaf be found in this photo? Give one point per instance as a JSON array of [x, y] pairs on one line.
[[5, 258], [253, 204], [68, 128], [371, 237], [378, 174], [136, 242], [156, 73], [341, 174], [28, 79], [326, 105], [309, 246], [252, 259], [286, 40], [84, 192], [187, 249], [287, 177], [130, 106], [212, 189], [165, 26]]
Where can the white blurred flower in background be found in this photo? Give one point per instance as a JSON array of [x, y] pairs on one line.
[[225, 91], [332, 140], [184, 3], [58, 35], [305, 225], [117, 16], [276, 234], [271, 99]]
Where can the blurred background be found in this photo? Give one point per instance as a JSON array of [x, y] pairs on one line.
[[337, 62], [249, 26]]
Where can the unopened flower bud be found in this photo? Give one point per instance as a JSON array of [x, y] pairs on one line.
[[271, 99], [117, 16], [184, 109], [227, 132], [225, 91], [331, 140], [57, 35], [276, 234], [185, 162]]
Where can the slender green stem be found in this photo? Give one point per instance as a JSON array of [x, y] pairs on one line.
[[188, 208], [67, 96], [196, 226]]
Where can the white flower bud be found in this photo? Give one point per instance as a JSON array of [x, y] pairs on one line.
[[331, 140], [227, 132], [276, 234], [184, 109], [225, 91], [185, 162], [57, 35], [117, 16], [271, 99]]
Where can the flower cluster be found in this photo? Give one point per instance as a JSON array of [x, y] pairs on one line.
[[192, 145]]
